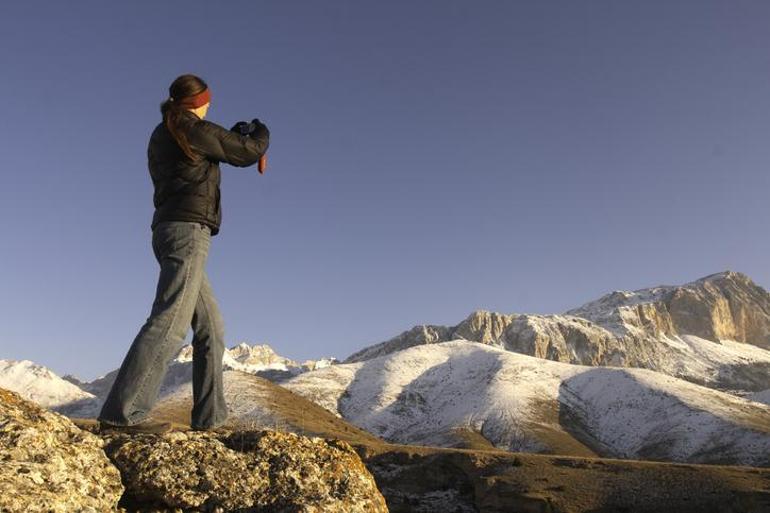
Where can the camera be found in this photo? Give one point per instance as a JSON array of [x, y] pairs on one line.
[[244, 128]]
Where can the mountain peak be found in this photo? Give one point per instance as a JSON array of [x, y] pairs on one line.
[[727, 276], [258, 354], [723, 306], [483, 326], [38, 383]]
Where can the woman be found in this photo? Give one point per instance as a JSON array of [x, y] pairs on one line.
[[183, 158]]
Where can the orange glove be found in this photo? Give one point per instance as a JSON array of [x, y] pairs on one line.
[[262, 165]]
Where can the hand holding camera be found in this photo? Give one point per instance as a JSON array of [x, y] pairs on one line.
[[244, 128], [251, 129]]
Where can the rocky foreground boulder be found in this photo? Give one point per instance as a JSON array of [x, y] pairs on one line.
[[264, 470], [48, 464]]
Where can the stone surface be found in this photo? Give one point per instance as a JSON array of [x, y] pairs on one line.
[[266, 470], [47, 464]]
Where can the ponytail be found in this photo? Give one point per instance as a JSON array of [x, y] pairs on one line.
[[172, 110]]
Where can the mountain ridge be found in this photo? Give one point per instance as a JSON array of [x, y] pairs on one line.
[[421, 395], [648, 328]]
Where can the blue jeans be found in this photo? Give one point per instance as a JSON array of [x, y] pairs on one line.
[[183, 298]]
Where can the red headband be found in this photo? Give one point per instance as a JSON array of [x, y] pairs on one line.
[[196, 100]]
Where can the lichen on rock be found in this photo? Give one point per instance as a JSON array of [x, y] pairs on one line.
[[266, 470], [47, 464]]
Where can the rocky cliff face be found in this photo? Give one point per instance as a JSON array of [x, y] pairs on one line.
[[657, 328], [50, 465], [723, 306]]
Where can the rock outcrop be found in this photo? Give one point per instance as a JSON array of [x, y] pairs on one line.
[[267, 470], [47, 464]]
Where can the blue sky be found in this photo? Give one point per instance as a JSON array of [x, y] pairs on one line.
[[427, 159]]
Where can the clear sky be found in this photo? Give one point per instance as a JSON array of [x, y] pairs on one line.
[[427, 159]]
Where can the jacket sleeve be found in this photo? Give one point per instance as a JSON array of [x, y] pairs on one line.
[[219, 144]]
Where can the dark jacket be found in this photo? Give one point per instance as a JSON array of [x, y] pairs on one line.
[[186, 191]]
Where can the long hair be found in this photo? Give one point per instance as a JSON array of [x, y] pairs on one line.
[[182, 87]]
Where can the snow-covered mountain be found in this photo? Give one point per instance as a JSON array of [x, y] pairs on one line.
[[39, 384], [259, 359], [77, 398], [443, 393], [714, 331]]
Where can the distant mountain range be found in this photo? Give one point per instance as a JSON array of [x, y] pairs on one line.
[[714, 331], [77, 398], [675, 373]]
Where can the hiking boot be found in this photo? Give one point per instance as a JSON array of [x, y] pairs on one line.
[[91, 425], [143, 427], [218, 429]]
